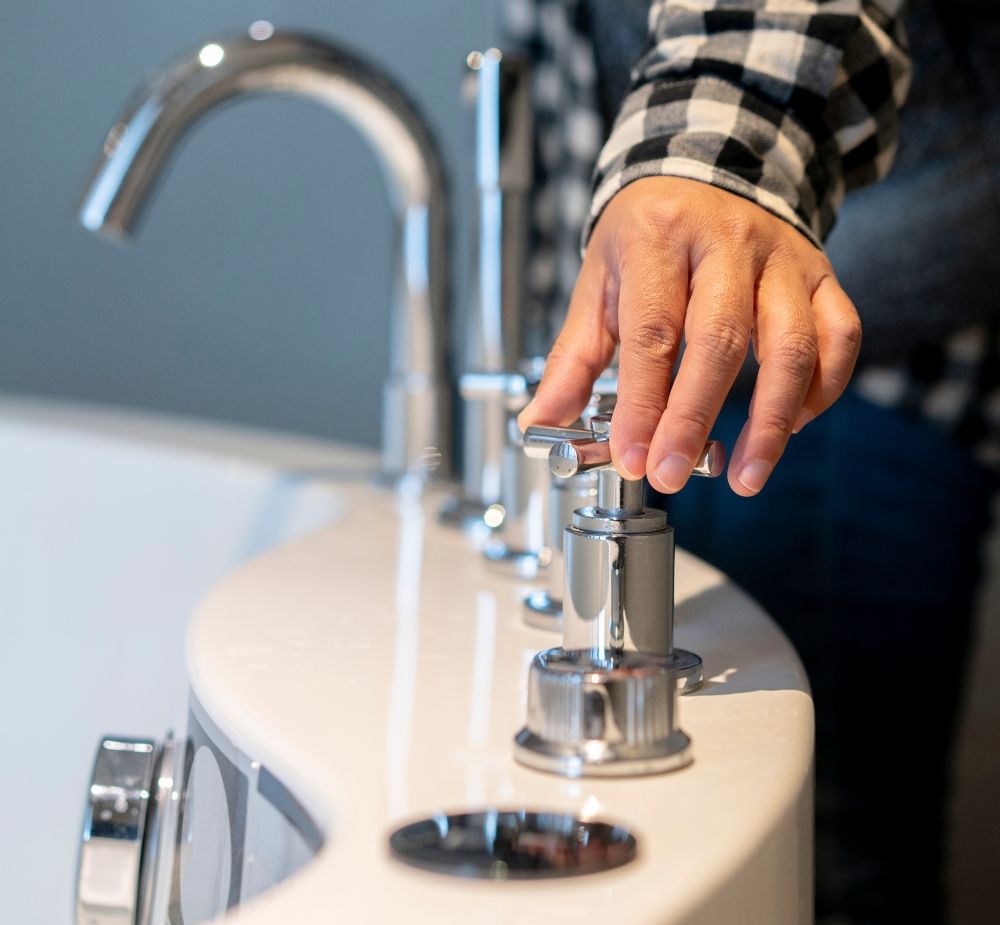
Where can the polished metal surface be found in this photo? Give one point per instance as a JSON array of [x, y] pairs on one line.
[[161, 834], [543, 608], [575, 456], [416, 427], [516, 844], [129, 824], [688, 670], [495, 338], [619, 588], [582, 451], [605, 717], [539, 440], [712, 460], [520, 546], [604, 703]]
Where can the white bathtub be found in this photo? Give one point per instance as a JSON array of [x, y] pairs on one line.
[[114, 525], [384, 634]]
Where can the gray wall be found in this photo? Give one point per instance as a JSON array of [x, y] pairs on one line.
[[257, 290]]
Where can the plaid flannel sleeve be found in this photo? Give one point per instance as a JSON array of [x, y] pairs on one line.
[[788, 103]]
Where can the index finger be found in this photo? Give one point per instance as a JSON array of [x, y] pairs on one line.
[[718, 327], [651, 309]]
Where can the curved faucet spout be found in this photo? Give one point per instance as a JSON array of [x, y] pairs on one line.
[[416, 427]]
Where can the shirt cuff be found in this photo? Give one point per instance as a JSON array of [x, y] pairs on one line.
[[710, 130]]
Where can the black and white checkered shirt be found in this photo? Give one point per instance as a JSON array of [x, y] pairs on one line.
[[785, 103], [789, 103]]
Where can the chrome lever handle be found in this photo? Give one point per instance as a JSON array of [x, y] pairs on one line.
[[538, 441], [571, 457], [712, 460], [573, 450]]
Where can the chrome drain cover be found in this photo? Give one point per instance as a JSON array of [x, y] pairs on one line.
[[512, 845]]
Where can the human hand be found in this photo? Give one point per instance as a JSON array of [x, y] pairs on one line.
[[673, 259]]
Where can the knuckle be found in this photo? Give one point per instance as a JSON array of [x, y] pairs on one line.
[[642, 408], [741, 230], [795, 352], [658, 338], [846, 334], [693, 419], [662, 217], [656, 232], [774, 426], [822, 271], [722, 339], [568, 356]]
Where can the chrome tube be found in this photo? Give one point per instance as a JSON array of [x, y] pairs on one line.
[[495, 336], [416, 425]]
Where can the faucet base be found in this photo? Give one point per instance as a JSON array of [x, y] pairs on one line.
[[688, 669], [543, 611], [466, 514], [597, 759], [601, 715], [519, 563]]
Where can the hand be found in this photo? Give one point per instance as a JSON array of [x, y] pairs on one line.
[[674, 259]]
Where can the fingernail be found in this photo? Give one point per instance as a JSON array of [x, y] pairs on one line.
[[754, 474], [673, 472], [633, 460], [805, 416]]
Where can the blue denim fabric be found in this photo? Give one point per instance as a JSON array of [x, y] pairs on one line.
[[864, 546]]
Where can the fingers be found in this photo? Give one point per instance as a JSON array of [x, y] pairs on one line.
[[775, 409], [838, 330], [788, 353], [660, 245], [580, 354], [651, 307], [719, 321]]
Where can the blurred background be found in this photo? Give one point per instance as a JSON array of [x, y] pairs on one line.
[[257, 290]]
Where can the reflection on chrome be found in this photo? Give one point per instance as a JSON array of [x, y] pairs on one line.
[[416, 425], [261, 30], [211, 54]]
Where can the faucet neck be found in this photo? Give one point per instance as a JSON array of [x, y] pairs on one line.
[[140, 144]]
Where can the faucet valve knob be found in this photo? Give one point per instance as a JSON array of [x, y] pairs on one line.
[[573, 450]]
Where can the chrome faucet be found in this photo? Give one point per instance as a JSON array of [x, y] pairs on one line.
[[416, 422], [495, 378], [604, 703]]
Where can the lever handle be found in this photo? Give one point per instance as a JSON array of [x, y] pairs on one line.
[[572, 450], [538, 441], [571, 457]]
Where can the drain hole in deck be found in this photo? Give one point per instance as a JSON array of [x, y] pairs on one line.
[[512, 845]]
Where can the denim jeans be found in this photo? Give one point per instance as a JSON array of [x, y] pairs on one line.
[[864, 546]]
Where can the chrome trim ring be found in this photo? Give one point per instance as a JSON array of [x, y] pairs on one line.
[[114, 827], [543, 611], [601, 717], [512, 844], [519, 563], [161, 834], [689, 670]]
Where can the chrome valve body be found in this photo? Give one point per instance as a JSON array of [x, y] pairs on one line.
[[604, 703]]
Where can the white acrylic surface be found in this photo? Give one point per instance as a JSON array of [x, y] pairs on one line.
[[111, 528], [377, 667]]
